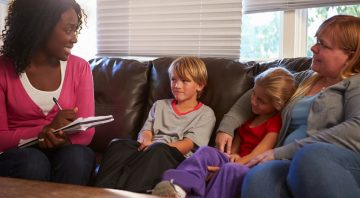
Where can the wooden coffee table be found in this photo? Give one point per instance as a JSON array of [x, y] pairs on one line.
[[10, 187]]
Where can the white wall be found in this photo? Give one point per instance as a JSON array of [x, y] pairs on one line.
[[3, 11], [86, 46]]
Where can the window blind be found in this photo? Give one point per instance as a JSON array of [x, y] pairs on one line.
[[253, 6], [204, 28]]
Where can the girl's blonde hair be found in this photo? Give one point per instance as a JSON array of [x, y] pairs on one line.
[[345, 33], [279, 85], [186, 66]]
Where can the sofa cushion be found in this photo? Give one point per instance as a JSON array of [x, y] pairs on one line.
[[120, 89]]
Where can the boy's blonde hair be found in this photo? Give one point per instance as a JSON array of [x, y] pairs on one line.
[[345, 33], [279, 85], [190, 66]]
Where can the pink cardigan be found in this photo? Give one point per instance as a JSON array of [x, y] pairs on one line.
[[21, 118]]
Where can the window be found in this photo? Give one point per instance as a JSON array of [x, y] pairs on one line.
[[317, 15], [260, 36], [263, 36], [285, 34], [291, 24]]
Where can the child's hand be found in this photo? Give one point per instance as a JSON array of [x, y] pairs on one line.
[[262, 158], [144, 144], [234, 157], [213, 168]]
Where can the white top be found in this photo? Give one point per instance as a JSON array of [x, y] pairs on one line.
[[44, 99]]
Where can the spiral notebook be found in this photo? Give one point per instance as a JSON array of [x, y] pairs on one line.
[[78, 125]]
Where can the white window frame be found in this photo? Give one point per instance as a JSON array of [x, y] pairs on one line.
[[293, 40]]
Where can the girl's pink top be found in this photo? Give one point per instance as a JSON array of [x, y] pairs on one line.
[[21, 118]]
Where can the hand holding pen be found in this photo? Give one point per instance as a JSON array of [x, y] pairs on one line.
[[47, 139], [57, 103], [63, 117]]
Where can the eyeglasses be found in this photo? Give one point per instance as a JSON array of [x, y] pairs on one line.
[[322, 45]]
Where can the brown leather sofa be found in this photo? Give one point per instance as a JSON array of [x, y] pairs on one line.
[[127, 89]]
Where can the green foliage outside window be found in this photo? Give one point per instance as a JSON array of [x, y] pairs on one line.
[[317, 15], [260, 36]]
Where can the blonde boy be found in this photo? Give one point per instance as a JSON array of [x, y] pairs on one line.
[[173, 129]]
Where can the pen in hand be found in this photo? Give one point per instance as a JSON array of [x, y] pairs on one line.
[[57, 103]]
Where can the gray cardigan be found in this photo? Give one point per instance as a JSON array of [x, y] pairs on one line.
[[334, 117]]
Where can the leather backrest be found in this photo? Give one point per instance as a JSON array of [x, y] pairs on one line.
[[128, 88], [120, 89], [292, 64]]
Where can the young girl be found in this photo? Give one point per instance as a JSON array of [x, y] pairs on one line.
[[174, 128], [211, 173]]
